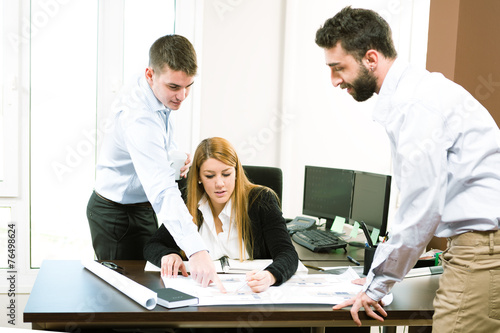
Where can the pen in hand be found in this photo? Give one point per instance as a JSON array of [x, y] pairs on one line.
[[246, 281]]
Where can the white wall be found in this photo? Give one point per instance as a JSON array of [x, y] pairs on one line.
[[241, 75], [266, 88]]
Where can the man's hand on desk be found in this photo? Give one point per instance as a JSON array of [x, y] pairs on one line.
[[363, 301], [203, 270]]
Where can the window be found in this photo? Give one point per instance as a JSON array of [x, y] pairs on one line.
[[9, 94], [81, 53]]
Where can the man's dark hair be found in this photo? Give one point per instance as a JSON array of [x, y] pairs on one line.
[[358, 30], [176, 52]]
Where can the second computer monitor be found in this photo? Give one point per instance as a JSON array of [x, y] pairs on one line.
[[370, 202], [327, 193]]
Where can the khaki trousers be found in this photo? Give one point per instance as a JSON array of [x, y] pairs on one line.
[[468, 298]]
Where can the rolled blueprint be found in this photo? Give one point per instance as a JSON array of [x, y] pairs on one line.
[[142, 295]]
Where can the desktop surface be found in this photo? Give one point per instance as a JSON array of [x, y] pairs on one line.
[[66, 294]]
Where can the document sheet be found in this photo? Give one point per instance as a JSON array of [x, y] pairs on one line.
[[300, 289]]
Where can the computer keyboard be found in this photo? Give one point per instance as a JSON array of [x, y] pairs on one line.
[[319, 240]]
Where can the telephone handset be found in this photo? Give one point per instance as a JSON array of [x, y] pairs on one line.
[[300, 223]]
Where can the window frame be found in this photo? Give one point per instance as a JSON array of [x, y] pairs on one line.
[[11, 49]]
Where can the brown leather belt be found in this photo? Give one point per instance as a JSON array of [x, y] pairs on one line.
[[139, 204]]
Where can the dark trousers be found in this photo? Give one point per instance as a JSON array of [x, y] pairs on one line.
[[119, 232]]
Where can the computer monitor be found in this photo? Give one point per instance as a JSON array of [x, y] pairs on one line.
[[370, 201], [327, 193]]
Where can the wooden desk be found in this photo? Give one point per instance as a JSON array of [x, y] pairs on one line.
[[66, 296]]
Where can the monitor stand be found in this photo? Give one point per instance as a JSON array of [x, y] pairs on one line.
[[328, 227], [328, 224]]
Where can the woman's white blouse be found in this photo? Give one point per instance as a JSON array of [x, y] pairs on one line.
[[225, 243]]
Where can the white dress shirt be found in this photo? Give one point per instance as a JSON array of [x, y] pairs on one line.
[[225, 243], [134, 165], [446, 160]]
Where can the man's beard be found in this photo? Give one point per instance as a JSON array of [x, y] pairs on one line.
[[364, 86]]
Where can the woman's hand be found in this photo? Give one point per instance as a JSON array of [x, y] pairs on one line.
[[260, 281], [170, 265]]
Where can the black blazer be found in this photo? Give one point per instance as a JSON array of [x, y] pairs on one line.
[[271, 238]]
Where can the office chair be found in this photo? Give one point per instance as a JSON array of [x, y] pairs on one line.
[[271, 177], [267, 176]]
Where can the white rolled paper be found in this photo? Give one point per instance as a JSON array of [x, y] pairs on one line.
[[142, 295]]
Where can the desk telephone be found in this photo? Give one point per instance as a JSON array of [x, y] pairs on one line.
[[300, 223], [304, 232]]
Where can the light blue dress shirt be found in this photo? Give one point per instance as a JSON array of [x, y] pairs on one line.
[[446, 159], [134, 164]]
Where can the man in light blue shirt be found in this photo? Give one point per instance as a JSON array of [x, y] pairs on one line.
[[135, 187], [446, 161]]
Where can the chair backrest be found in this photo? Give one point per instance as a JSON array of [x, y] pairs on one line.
[[271, 177]]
